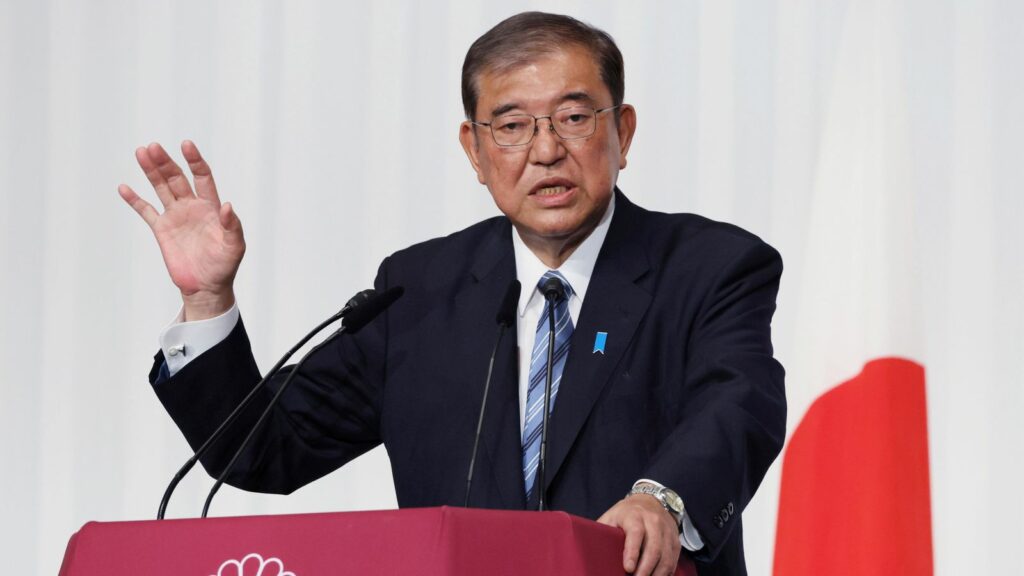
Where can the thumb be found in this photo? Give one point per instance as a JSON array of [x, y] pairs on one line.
[[230, 222]]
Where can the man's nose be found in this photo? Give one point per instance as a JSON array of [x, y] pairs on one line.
[[547, 146]]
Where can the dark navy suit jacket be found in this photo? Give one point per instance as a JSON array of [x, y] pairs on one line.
[[687, 391]]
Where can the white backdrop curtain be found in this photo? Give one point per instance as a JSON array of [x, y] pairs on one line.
[[331, 126]]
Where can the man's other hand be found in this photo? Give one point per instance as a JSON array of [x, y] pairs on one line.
[[200, 239], [652, 535]]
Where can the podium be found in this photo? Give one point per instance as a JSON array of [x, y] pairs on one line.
[[425, 541]]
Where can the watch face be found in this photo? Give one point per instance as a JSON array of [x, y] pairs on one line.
[[673, 500]]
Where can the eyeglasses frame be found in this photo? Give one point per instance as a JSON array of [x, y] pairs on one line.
[[536, 125]]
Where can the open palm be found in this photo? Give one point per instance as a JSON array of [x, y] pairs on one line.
[[200, 239]]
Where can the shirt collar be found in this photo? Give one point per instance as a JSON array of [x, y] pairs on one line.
[[577, 269]]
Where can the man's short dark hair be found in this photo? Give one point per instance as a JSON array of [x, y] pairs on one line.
[[525, 37]]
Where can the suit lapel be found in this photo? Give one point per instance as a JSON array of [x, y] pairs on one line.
[[614, 304]]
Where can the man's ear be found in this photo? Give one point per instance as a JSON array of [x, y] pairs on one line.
[[626, 128], [467, 137]]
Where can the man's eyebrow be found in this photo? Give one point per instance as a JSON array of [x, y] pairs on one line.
[[503, 109], [577, 96]]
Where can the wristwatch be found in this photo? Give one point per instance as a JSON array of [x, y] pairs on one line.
[[666, 496]]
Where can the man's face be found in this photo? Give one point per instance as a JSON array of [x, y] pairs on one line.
[[553, 190]]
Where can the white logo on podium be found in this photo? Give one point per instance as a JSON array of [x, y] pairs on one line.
[[253, 565]]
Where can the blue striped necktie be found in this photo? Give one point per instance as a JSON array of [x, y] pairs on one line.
[[538, 377]]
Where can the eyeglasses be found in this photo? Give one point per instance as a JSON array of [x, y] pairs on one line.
[[570, 123]]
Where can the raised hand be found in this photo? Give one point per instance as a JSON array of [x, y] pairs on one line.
[[200, 238]]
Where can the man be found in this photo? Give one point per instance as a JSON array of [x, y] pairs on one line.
[[666, 388]]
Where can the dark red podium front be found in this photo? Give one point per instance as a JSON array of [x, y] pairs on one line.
[[424, 542]]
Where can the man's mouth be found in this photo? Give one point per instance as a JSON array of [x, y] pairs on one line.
[[552, 186], [551, 190]]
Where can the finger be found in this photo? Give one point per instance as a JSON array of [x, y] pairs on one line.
[[634, 530], [670, 555], [650, 552], [230, 222], [201, 174], [163, 190], [143, 208], [170, 170]]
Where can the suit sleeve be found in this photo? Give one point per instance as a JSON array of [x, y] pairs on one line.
[[329, 415], [732, 423]]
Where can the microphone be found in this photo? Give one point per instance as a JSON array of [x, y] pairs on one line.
[[355, 302], [553, 292], [505, 319], [358, 316], [369, 308], [553, 289]]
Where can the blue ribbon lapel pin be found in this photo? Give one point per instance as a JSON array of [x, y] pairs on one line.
[[599, 342]]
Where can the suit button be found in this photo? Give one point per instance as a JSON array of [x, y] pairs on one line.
[[719, 522], [730, 508]]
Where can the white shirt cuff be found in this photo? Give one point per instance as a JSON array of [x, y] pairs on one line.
[[688, 535], [182, 342]]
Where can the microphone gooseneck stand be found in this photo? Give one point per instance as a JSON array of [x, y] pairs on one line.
[[353, 303], [553, 292], [506, 318], [352, 322]]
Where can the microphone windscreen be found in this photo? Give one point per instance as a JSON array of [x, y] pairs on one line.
[[507, 312], [366, 311], [553, 289], [360, 298]]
